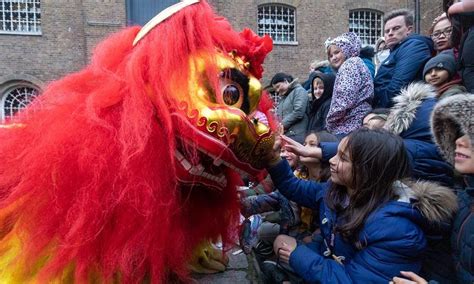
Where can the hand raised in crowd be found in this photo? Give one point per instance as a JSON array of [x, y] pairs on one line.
[[412, 278], [300, 150]]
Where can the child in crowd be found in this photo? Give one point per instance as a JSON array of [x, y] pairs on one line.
[[453, 131], [317, 66], [279, 214], [439, 72], [321, 94], [353, 88], [317, 170], [286, 214], [381, 53], [372, 220]]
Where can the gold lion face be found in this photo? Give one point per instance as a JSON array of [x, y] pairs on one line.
[[220, 123]]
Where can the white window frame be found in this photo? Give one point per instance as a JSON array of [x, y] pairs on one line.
[[23, 16], [279, 22], [367, 24], [26, 89]]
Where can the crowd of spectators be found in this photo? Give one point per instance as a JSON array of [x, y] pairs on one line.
[[371, 175]]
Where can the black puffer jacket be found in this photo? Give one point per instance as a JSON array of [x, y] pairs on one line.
[[462, 238]]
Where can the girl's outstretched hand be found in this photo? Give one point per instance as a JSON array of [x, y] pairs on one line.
[[412, 278], [300, 150]]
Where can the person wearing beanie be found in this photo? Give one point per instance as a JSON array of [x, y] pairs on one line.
[[452, 124], [353, 88], [440, 72], [291, 109]]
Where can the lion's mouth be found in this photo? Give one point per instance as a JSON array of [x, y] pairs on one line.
[[208, 167], [208, 161]]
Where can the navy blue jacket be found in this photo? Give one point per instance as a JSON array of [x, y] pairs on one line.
[[463, 234], [393, 233], [403, 66], [426, 160]]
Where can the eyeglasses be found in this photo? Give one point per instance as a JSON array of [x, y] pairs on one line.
[[446, 33]]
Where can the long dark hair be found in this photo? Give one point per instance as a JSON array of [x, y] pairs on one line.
[[378, 160]]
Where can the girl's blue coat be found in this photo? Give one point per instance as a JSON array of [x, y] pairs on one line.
[[393, 234]]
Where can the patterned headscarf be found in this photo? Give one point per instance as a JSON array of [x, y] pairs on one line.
[[349, 43]]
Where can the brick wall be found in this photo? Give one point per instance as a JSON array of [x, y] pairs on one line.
[[70, 28], [316, 21]]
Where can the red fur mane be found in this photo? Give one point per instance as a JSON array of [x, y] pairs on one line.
[[90, 178]]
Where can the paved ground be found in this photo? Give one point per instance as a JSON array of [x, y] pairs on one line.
[[241, 270]]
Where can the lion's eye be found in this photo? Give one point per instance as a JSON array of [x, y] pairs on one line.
[[231, 95]]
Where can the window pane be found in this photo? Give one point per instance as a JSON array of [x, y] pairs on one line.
[[277, 21], [17, 99], [20, 16], [367, 25]]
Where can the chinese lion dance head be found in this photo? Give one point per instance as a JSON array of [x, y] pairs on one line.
[[117, 172]]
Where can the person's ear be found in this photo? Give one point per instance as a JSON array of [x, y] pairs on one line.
[[410, 29]]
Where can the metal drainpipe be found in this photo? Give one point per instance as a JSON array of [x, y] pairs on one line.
[[417, 16], [128, 8]]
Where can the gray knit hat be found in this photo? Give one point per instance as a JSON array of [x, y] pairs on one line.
[[444, 60], [452, 117]]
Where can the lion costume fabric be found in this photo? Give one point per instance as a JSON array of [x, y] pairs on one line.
[[119, 171]]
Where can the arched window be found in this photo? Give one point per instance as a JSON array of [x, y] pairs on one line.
[[278, 21], [17, 98], [367, 24], [20, 17]]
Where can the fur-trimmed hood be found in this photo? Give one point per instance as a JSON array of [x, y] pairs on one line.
[[452, 117], [410, 119], [407, 106], [437, 204]]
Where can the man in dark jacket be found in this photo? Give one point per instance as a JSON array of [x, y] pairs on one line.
[[408, 54]]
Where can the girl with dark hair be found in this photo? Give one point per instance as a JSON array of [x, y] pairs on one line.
[[316, 170], [372, 220], [313, 168]]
